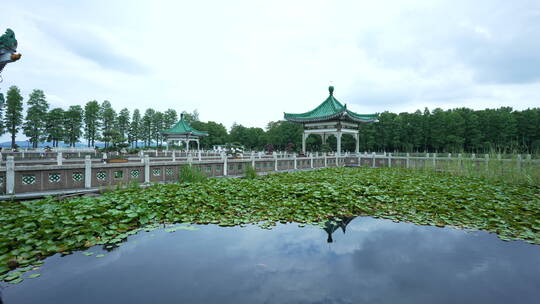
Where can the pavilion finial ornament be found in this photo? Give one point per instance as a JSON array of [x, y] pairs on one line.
[[331, 89], [8, 48]]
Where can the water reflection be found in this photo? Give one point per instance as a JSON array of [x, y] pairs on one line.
[[334, 224], [376, 261]]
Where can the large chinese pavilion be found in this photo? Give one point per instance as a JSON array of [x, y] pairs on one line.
[[331, 118], [183, 132]]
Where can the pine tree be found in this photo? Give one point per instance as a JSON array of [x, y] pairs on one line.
[[135, 128], [146, 126], [123, 124], [108, 122], [170, 118], [54, 127], [13, 116], [91, 122], [157, 127], [34, 126], [73, 122]]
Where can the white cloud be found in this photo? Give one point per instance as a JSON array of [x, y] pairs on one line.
[[250, 61]]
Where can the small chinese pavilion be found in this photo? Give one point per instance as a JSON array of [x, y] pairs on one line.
[[331, 118], [183, 132]]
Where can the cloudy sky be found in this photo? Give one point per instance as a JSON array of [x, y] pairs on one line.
[[250, 61]]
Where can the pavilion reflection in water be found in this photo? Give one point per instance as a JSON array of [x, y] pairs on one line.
[[335, 223]]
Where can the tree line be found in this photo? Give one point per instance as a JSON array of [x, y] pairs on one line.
[[93, 122], [454, 130]]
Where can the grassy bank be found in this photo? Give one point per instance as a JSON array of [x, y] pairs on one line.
[[32, 230]]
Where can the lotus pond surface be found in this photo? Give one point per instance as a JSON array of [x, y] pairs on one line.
[[352, 260]]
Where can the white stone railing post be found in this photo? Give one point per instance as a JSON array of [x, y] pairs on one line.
[[486, 159], [225, 166], [434, 160], [373, 159], [59, 158], [190, 159], [519, 159], [10, 175], [408, 161], [389, 160], [199, 155], [146, 169], [325, 161], [294, 157], [87, 172], [252, 160], [173, 155], [311, 159], [275, 162]]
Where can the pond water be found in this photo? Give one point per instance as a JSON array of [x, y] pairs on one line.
[[374, 261]]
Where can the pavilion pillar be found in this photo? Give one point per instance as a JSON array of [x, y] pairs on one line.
[[304, 142], [323, 138], [357, 148], [198, 146], [338, 136]]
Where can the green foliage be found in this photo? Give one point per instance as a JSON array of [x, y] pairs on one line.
[[134, 133], [13, 115], [33, 229], [35, 121], [147, 126], [217, 133], [108, 122], [123, 125], [54, 126], [250, 172], [191, 174], [73, 122], [283, 133], [91, 122]]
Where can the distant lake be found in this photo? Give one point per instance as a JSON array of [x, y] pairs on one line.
[[373, 261]]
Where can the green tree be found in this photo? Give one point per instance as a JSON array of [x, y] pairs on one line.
[[123, 123], [108, 122], [73, 122], [157, 127], [146, 126], [91, 122], [170, 118], [134, 128], [34, 126], [283, 134], [191, 117], [54, 127], [13, 116]]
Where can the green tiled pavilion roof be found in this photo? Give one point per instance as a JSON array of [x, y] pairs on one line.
[[183, 128], [331, 108]]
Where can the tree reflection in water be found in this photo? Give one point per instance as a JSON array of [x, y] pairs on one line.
[[335, 223]]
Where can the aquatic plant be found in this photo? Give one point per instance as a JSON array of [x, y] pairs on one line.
[[32, 230], [250, 172], [190, 174]]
